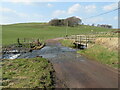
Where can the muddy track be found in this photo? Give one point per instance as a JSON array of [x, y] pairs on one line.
[[75, 71]]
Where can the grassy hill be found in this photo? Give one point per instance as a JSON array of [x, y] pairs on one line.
[[43, 31]]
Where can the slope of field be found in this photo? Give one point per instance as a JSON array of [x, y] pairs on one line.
[[43, 31]]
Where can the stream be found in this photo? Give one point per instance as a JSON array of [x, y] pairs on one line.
[[48, 52]]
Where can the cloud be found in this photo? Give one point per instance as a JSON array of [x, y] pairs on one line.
[[74, 8], [8, 10], [5, 20], [33, 16], [58, 13], [110, 7], [27, 1], [78, 17], [81, 8], [90, 8], [49, 5], [115, 18], [95, 20], [23, 16], [77, 7], [3, 10]]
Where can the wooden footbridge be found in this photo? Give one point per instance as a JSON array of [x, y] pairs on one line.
[[82, 41]]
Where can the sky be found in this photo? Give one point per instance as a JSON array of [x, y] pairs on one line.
[[22, 12]]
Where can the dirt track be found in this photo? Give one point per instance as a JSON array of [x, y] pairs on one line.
[[75, 71]]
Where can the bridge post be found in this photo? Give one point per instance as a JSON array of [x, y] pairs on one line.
[[80, 40], [75, 38], [86, 41]]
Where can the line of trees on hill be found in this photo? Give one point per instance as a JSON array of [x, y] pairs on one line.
[[71, 21], [104, 25]]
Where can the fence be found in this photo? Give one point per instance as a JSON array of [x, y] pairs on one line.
[[22, 45]]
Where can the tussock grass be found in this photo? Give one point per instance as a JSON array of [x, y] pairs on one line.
[[27, 73], [101, 54], [110, 43]]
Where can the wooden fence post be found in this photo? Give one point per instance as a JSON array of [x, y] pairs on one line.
[[24, 40], [18, 41]]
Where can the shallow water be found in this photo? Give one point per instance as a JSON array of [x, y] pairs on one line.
[[49, 51]]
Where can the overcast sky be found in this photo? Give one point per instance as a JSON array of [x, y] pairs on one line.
[[21, 12]]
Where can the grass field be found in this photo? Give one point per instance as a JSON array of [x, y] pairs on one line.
[[10, 33], [27, 73]]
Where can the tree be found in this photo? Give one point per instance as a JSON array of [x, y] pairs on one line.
[[73, 21], [93, 24], [57, 22], [105, 26], [82, 23], [54, 22], [98, 25]]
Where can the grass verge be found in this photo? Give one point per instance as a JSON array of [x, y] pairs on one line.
[[27, 73], [101, 54], [67, 43], [97, 52]]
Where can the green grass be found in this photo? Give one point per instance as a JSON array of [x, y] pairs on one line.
[[97, 52], [101, 54], [27, 73], [10, 33], [67, 43]]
